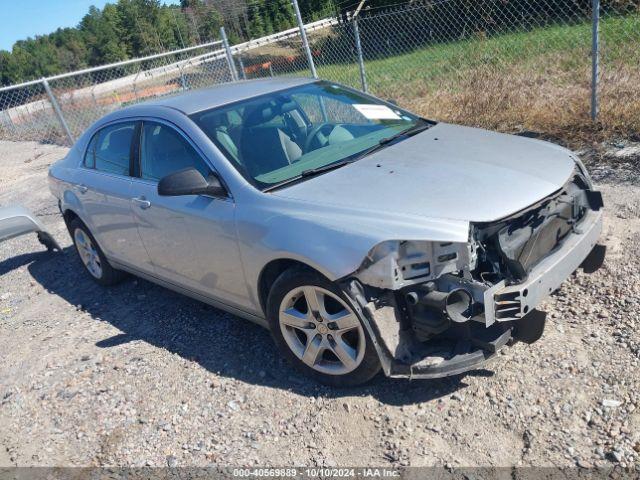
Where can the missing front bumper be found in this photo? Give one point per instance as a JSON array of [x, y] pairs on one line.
[[447, 357], [508, 314], [465, 348], [507, 303], [16, 221]]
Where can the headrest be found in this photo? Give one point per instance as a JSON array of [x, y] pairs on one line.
[[216, 119], [267, 111]]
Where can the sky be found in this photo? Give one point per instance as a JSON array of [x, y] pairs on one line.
[[20, 19]]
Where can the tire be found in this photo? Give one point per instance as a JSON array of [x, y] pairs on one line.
[[330, 343], [92, 257]]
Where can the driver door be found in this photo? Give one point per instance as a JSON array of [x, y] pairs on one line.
[[191, 239]]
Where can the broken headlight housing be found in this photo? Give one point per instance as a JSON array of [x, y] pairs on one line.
[[396, 264], [583, 171]]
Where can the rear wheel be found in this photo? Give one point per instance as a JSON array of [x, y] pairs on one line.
[[92, 256], [318, 331]]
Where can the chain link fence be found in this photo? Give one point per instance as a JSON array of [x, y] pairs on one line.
[[27, 114], [281, 54], [505, 65], [58, 109], [619, 75], [510, 65]]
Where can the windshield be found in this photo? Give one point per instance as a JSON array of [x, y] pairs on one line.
[[274, 138]]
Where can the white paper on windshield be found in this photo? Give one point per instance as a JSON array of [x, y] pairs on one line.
[[376, 112]]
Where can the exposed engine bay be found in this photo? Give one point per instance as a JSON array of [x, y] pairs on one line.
[[511, 247], [439, 309]]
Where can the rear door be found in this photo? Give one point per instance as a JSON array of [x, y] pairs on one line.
[[104, 188], [191, 239]]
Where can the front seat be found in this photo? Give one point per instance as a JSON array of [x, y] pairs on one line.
[[223, 137], [266, 148]]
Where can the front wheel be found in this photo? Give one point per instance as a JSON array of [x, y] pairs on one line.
[[318, 331]]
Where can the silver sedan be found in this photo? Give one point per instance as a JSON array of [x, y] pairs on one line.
[[363, 236]]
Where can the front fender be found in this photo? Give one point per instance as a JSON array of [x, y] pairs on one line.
[[327, 249], [332, 242]]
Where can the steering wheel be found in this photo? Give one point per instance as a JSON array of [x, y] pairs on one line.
[[316, 132]]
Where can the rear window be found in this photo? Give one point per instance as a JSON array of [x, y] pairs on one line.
[[110, 149]]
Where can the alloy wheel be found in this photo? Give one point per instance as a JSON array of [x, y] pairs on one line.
[[322, 330], [88, 253]]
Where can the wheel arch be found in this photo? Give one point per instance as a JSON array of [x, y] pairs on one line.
[[72, 208], [69, 215], [272, 270]]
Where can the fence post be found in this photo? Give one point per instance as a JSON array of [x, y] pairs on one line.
[[57, 110], [242, 72], [227, 49], [363, 75], [95, 100], [13, 125], [595, 57], [135, 86], [184, 85], [305, 41]]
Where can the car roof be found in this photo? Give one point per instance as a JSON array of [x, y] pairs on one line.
[[225, 93]]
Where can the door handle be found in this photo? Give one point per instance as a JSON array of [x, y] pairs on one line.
[[81, 188], [142, 202]]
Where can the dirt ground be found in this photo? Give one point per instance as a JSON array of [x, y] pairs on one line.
[[137, 375]]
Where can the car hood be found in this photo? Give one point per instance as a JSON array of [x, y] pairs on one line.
[[447, 172]]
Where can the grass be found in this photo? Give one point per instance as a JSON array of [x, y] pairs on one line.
[[537, 80]]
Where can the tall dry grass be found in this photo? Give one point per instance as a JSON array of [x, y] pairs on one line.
[[537, 80], [545, 98]]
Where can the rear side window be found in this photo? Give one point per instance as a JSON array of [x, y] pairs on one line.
[[109, 150], [163, 151]]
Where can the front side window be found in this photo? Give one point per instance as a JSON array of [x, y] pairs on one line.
[[163, 151], [110, 149], [90, 155], [275, 138]]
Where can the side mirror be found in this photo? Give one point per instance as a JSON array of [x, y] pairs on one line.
[[190, 182]]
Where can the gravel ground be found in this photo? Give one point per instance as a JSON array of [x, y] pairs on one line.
[[137, 375]]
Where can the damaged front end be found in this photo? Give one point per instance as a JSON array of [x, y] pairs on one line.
[[436, 309]]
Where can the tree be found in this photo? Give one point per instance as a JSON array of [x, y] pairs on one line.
[[134, 28], [10, 71], [139, 21], [205, 20], [283, 15], [101, 31], [71, 49]]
